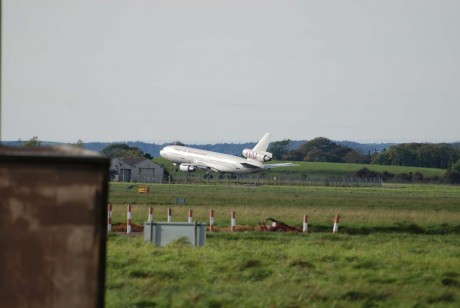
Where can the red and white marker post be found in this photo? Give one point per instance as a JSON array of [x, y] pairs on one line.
[[233, 221], [335, 228], [128, 226], [211, 220], [169, 215], [109, 218], [305, 223], [150, 215], [190, 216]]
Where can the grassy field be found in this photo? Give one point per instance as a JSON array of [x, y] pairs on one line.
[[339, 169], [428, 206], [398, 245], [286, 270], [320, 169]]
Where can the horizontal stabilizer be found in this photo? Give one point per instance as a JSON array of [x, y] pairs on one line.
[[250, 166], [270, 166]]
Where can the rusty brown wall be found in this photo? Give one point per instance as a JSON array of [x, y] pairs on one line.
[[52, 228]]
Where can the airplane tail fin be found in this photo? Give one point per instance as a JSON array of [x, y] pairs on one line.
[[259, 152], [262, 146]]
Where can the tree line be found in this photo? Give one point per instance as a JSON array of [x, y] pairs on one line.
[[428, 155], [321, 149]]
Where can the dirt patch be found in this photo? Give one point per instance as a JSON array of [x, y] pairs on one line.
[[123, 228], [140, 228], [237, 229]]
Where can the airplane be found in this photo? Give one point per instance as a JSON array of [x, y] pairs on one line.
[[191, 159]]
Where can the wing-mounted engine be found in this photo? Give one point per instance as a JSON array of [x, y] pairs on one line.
[[187, 168], [261, 156]]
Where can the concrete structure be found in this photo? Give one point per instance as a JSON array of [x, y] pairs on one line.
[[53, 226], [163, 233], [140, 170]]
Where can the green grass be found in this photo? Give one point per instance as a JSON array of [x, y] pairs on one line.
[[428, 206], [398, 246], [319, 169], [286, 270], [339, 169]]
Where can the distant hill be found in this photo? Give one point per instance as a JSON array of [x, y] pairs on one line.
[[365, 148], [228, 148]]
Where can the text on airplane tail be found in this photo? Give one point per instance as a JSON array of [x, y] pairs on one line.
[[261, 156]]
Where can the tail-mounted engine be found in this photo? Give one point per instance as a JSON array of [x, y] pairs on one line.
[[257, 155], [187, 168]]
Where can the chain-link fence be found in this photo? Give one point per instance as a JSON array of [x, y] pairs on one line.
[[281, 180]]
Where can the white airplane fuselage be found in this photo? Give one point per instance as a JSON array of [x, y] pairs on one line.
[[190, 159]]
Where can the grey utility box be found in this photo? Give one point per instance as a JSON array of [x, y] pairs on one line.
[[163, 233], [52, 227]]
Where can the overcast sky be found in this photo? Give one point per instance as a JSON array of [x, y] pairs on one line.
[[229, 71]]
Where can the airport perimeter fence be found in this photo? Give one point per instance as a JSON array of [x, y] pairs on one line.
[[278, 180]]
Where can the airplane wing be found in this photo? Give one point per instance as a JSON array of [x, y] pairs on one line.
[[215, 166], [205, 166], [219, 167], [270, 166]]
